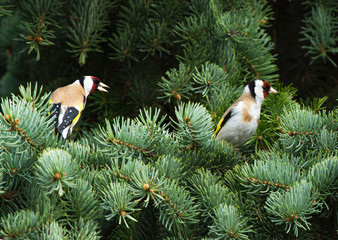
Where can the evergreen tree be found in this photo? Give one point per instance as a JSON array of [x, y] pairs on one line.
[[143, 163]]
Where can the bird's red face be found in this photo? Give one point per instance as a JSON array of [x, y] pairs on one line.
[[266, 88], [97, 85]]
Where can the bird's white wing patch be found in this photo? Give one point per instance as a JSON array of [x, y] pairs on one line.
[[71, 114]]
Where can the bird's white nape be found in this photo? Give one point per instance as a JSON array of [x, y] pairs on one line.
[[87, 84], [259, 91], [256, 90]]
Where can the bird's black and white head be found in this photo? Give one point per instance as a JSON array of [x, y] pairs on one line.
[[90, 84], [259, 89]]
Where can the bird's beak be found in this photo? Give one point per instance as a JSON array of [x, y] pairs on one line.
[[102, 86], [272, 90]]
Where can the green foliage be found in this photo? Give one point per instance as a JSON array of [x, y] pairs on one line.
[[5, 7], [295, 207], [210, 192], [55, 171], [88, 20], [217, 155], [125, 134], [1, 183], [53, 231], [39, 21], [178, 211], [193, 126], [319, 31], [303, 129], [324, 175], [83, 231], [147, 186], [177, 85], [18, 163], [25, 132], [83, 202], [211, 77], [165, 172], [229, 224], [264, 176], [20, 224], [117, 200], [316, 104], [169, 167]]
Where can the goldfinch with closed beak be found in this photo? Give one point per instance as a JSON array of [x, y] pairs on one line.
[[69, 101], [240, 120]]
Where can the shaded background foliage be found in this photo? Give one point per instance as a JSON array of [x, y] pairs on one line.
[[57, 66], [311, 80]]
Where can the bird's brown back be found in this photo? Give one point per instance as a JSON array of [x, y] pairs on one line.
[[70, 95]]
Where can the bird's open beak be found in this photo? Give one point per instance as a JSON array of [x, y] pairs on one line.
[[272, 90], [102, 86]]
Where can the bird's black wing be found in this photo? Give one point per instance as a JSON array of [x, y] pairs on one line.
[[55, 111], [69, 117], [223, 121]]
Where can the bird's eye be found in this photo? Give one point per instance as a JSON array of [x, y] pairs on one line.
[[265, 88], [96, 81]]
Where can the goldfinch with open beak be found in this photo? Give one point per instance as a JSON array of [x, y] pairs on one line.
[[240, 120], [69, 101]]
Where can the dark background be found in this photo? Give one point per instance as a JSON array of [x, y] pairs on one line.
[[316, 80]]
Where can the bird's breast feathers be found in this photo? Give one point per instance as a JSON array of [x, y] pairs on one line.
[[242, 123]]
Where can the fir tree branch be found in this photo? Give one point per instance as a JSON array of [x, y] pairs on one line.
[[88, 22], [84, 230], [83, 205], [39, 17], [210, 192], [263, 176], [178, 84], [30, 124], [126, 134], [117, 200], [294, 207], [324, 176], [229, 224], [210, 77], [193, 127], [55, 171], [178, 210], [5, 8], [20, 224], [53, 231], [319, 32]]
